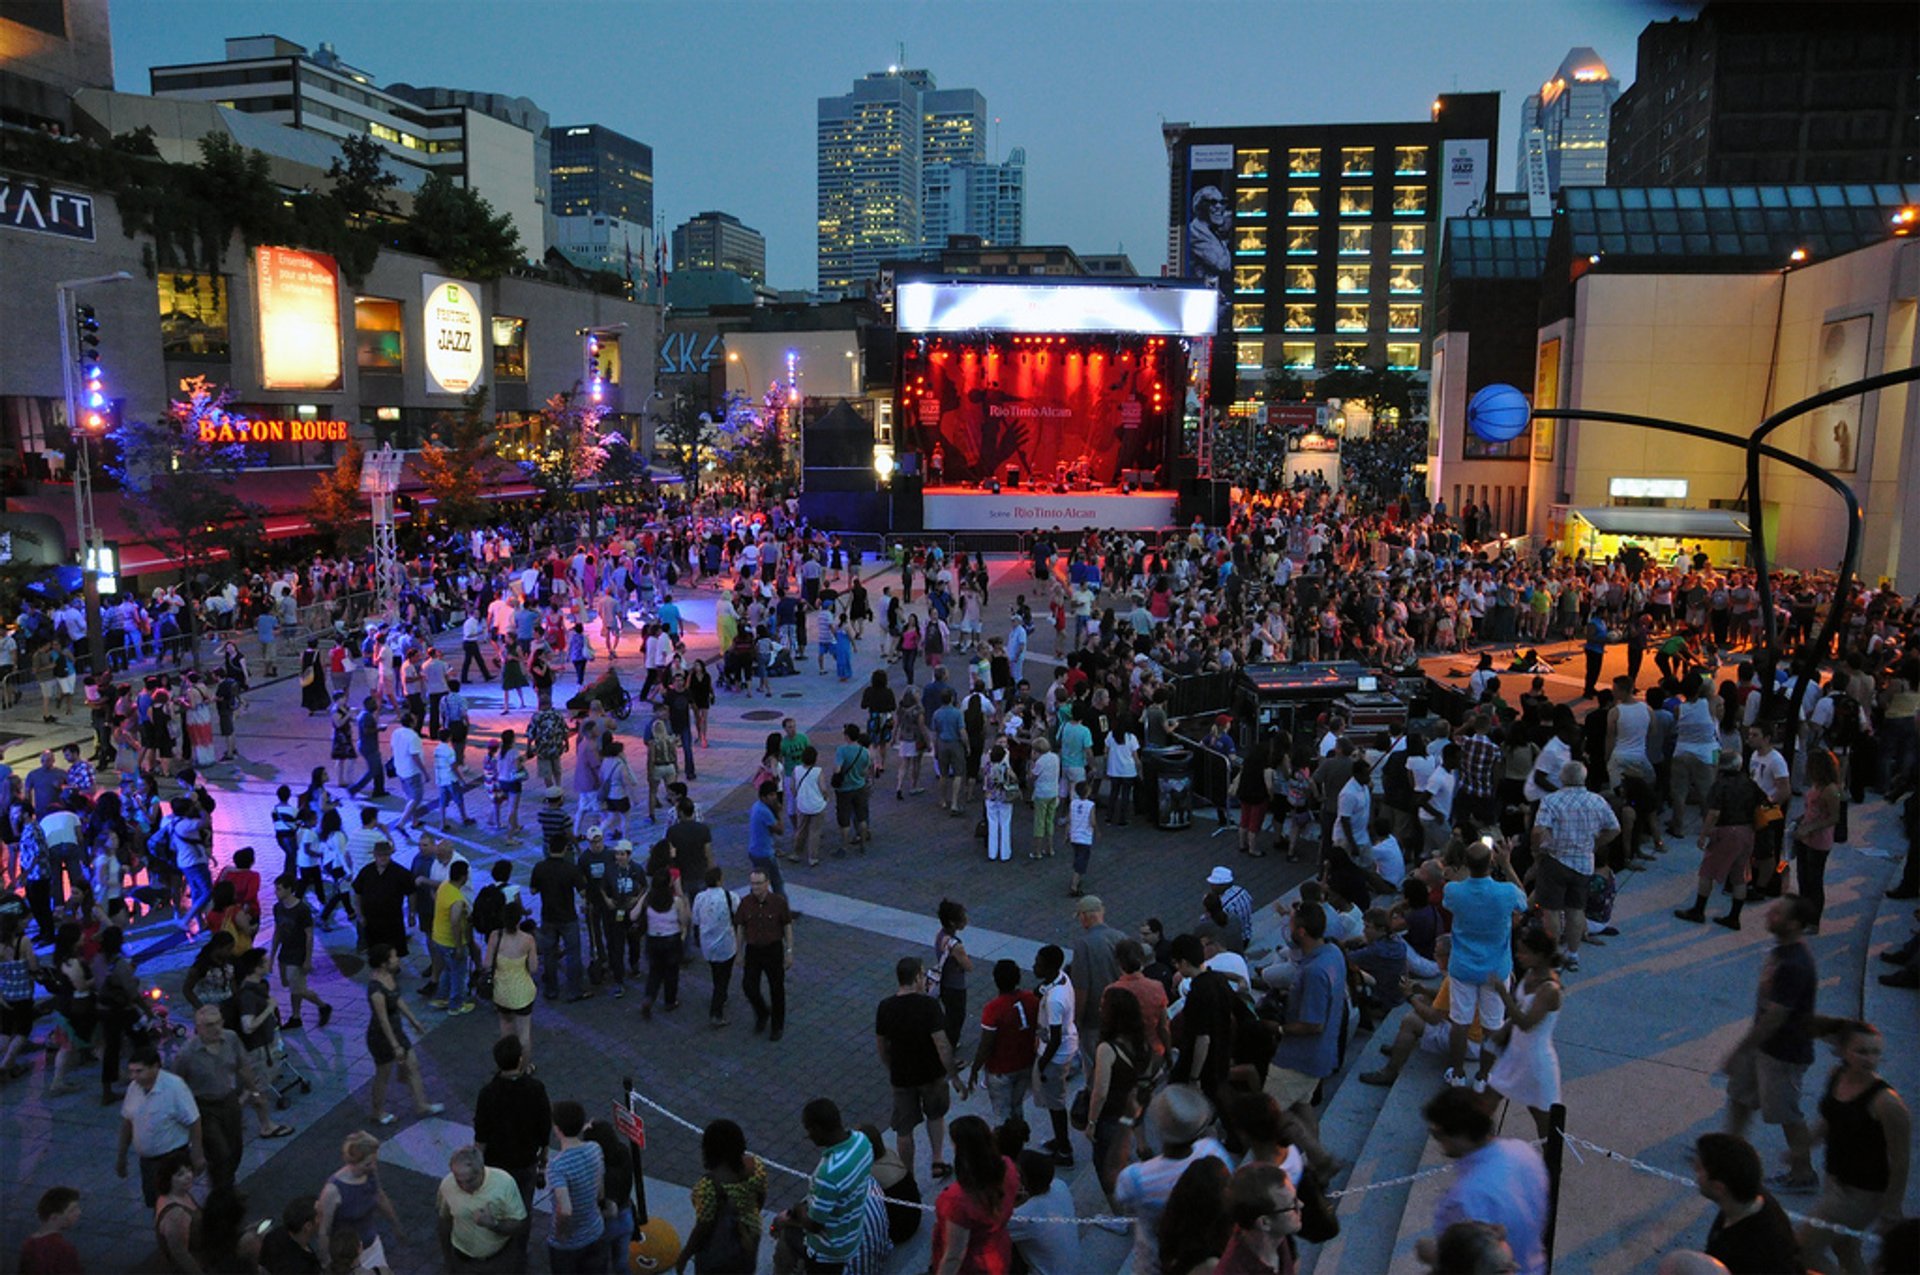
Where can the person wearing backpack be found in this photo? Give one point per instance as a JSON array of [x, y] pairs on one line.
[[727, 1201], [1001, 785]]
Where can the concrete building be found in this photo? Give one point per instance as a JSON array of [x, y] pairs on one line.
[[869, 165], [1571, 112], [47, 51], [715, 240], [596, 170], [1115, 264], [987, 201], [594, 241], [282, 83], [1324, 239], [1748, 93]]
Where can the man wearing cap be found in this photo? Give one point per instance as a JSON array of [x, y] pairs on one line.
[[1178, 1120], [380, 894], [1234, 900], [1095, 967], [619, 887]]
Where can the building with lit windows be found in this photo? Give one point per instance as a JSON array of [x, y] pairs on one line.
[[472, 138], [715, 240], [987, 201], [1571, 113], [597, 171], [1324, 239]]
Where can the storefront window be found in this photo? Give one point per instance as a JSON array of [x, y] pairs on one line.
[[1298, 356], [1407, 278], [1304, 161], [193, 316], [1353, 276], [1250, 201], [1246, 318], [1301, 279], [1403, 355], [1303, 201], [1299, 318], [1251, 162], [1249, 241], [376, 334], [509, 348], [1249, 278], [1350, 318], [1409, 241], [1409, 161], [1402, 317], [1409, 201], [1356, 161], [1356, 241], [1356, 201]]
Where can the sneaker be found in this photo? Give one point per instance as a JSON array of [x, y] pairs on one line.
[[1453, 1079], [1571, 963], [1478, 1084], [464, 1007], [619, 990], [433, 1108], [438, 1002]]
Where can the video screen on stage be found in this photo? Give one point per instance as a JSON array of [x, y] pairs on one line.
[[1073, 411]]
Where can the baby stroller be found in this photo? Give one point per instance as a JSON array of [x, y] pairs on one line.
[[611, 695], [273, 1063]]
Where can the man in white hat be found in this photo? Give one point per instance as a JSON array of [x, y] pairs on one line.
[[1234, 899], [1178, 1122]]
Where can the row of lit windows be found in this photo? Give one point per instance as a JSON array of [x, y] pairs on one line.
[[1348, 276], [1355, 161], [1354, 241], [1354, 201], [1348, 316], [1302, 356]]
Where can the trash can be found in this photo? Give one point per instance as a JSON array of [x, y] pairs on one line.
[[1166, 780]]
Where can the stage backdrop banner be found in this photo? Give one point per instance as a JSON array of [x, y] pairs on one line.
[[1027, 510]]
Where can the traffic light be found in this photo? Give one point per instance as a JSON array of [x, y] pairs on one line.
[[596, 383], [93, 394]]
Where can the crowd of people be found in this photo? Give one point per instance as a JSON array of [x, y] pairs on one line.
[[1460, 865]]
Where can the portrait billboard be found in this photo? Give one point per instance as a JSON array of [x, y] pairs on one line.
[[1833, 440], [299, 304], [456, 339], [1206, 250]]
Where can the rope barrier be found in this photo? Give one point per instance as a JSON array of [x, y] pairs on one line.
[[1103, 1219]]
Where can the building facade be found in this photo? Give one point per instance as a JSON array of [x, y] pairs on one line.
[[47, 51], [1772, 93], [611, 244], [599, 171], [988, 201], [715, 240], [1324, 238], [1571, 113], [869, 146]]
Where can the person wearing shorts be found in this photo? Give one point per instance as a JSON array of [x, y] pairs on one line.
[[1482, 948], [1767, 1069]]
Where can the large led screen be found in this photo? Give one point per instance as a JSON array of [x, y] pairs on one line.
[[299, 296]]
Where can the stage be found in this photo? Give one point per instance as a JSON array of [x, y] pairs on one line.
[[1021, 509]]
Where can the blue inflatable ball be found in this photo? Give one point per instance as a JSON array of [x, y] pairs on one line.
[[1498, 413]]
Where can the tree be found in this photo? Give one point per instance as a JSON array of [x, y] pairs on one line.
[[458, 459], [337, 509], [460, 230], [685, 431], [362, 185], [178, 480], [1284, 385], [746, 444], [1383, 390], [571, 450]]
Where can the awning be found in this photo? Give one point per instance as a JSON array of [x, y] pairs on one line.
[[1684, 524]]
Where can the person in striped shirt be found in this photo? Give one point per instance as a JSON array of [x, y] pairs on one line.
[[827, 1228]]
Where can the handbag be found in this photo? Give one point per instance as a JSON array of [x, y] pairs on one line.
[[1077, 1114], [1768, 815]]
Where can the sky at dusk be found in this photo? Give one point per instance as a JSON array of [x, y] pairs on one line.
[[725, 90]]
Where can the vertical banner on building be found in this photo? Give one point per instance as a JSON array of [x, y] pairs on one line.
[[454, 335], [1539, 191], [1206, 252], [1463, 189], [1833, 440], [1546, 394], [299, 305]]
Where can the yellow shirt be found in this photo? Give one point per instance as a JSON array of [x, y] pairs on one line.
[[445, 899], [496, 1191]]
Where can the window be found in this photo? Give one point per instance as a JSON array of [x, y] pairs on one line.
[[1356, 241], [1409, 241], [1249, 241], [1304, 161], [1403, 317], [1250, 201], [1403, 356], [1303, 241], [1249, 355], [193, 316], [1409, 161], [1301, 279], [1407, 278], [509, 348], [376, 334], [1249, 278], [1353, 276], [1356, 201], [1297, 356], [1250, 162], [1356, 161], [1409, 201], [1350, 318], [1349, 356], [1299, 318], [1303, 201], [1246, 318]]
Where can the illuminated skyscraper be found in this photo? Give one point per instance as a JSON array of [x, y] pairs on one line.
[[1571, 111]]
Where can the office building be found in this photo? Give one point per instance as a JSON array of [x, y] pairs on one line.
[[613, 245], [869, 164], [1571, 113], [953, 123], [1781, 93], [715, 240], [1117, 265], [598, 171], [987, 201], [1324, 239], [281, 83]]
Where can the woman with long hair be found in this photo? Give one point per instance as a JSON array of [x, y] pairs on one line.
[[879, 701], [1813, 834], [341, 749], [727, 1201], [1255, 797], [664, 916], [910, 647], [1195, 1225], [1527, 1073], [970, 1215], [616, 786], [513, 958], [1119, 1062], [951, 965], [810, 802], [700, 698], [912, 739], [313, 679], [1868, 1133]]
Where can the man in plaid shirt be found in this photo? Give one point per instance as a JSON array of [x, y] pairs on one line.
[[1480, 761], [1573, 821]]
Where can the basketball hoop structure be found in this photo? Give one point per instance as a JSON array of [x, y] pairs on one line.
[[379, 480]]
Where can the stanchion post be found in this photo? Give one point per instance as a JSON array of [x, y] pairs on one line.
[[1556, 1154]]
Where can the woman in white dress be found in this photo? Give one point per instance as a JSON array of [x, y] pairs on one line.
[[1528, 1070]]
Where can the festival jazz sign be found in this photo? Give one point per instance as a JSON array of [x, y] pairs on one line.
[[456, 352]]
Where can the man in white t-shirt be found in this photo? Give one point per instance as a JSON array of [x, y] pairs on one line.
[[409, 767], [1768, 770], [1059, 1042], [1436, 799], [1354, 813]]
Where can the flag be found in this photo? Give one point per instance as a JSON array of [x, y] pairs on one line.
[[629, 242], [660, 262]]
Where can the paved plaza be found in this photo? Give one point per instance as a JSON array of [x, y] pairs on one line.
[[1646, 1021]]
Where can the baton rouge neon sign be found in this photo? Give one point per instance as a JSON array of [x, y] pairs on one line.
[[238, 429]]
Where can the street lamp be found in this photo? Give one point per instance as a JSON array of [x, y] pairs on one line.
[[86, 531]]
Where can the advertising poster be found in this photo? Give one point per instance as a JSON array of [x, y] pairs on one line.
[[1546, 393], [1206, 249], [455, 337], [299, 319], [1464, 179], [1833, 442]]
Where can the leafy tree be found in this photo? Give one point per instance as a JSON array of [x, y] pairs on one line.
[[179, 480], [460, 230], [1284, 385], [746, 444], [362, 186], [458, 459], [337, 508], [140, 141], [1383, 390], [684, 432], [571, 450], [239, 180]]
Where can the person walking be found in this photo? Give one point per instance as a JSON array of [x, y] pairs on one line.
[[354, 1202], [713, 927], [763, 929], [1001, 787], [1767, 1067], [809, 807], [1726, 842], [512, 1118], [387, 1039], [221, 1078], [763, 829], [663, 914], [366, 729], [1868, 1133], [160, 1123], [512, 959], [853, 791], [1813, 833], [971, 1214], [910, 1033], [1497, 1180]]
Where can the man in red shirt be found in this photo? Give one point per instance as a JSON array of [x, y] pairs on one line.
[[1008, 1043], [48, 1251]]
